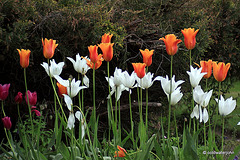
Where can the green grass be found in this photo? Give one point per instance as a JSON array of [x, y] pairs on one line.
[[234, 117]]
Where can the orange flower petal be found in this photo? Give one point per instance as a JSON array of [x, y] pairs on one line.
[[147, 56], [206, 67], [171, 43], [106, 38], [24, 57], [107, 50], [220, 70], [49, 47], [190, 37], [139, 69]]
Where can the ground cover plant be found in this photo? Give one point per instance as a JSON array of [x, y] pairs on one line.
[[63, 142], [119, 79]]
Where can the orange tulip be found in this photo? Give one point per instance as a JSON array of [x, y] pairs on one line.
[[107, 50], [49, 47], [121, 152], [220, 70], [93, 53], [206, 67], [106, 38], [24, 57], [139, 69], [190, 37], [61, 89], [97, 64], [147, 56], [171, 43]]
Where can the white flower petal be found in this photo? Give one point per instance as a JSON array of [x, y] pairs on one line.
[[68, 102], [86, 81], [78, 115], [71, 121], [195, 112], [205, 115]]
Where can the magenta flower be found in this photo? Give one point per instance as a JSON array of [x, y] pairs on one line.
[[18, 98], [7, 122], [32, 96], [4, 90], [36, 111]]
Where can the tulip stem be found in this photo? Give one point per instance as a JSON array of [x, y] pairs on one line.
[[169, 106], [29, 107], [119, 117], [19, 116], [79, 95], [10, 143], [56, 112], [110, 100], [219, 90], [82, 96], [146, 109], [4, 115], [130, 107], [205, 139], [55, 92], [116, 105], [176, 129], [190, 57], [94, 104], [222, 132]]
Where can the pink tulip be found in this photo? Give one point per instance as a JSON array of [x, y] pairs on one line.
[[7, 122], [18, 98], [4, 90], [36, 111], [32, 96]]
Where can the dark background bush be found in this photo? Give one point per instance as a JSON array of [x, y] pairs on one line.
[[135, 24]]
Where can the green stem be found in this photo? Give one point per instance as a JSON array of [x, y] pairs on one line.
[[141, 115], [82, 95], [205, 139], [3, 110], [29, 107], [56, 111], [130, 107], [190, 57], [79, 95], [10, 143], [146, 109], [109, 89], [176, 130], [56, 95], [219, 90], [222, 132], [116, 104], [119, 122], [19, 116], [94, 103], [169, 104]]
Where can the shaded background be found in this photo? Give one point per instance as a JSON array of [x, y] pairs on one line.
[[135, 24]]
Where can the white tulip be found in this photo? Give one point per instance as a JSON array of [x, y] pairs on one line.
[[53, 69], [226, 107], [73, 87], [146, 82], [165, 83], [175, 96], [80, 65], [195, 76]]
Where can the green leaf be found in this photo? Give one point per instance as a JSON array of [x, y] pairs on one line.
[[236, 151], [146, 149], [189, 151], [64, 151], [157, 148], [175, 152]]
